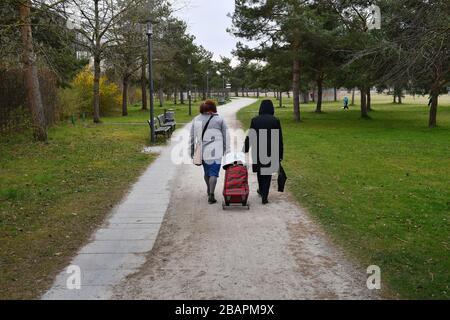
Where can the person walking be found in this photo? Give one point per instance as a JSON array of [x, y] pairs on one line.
[[346, 103], [209, 141], [265, 138]]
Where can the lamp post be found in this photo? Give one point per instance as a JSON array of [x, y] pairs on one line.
[[223, 79], [207, 84], [150, 78], [190, 86]]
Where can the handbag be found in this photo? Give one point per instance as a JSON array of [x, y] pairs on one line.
[[282, 178], [198, 150]]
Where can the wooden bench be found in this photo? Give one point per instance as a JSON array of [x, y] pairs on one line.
[[164, 123], [160, 130], [169, 118]]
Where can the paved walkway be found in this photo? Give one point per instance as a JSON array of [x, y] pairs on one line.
[[200, 251]]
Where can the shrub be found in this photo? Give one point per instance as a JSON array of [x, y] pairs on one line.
[[68, 103], [80, 97]]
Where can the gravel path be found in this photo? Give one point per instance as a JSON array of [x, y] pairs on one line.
[[270, 252]]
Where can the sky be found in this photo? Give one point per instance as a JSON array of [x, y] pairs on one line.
[[207, 20]]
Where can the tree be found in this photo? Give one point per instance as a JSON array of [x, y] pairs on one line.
[[98, 17], [126, 55], [320, 37], [34, 33], [360, 67], [415, 39], [274, 23]]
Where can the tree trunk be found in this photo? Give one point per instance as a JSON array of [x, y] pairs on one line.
[[97, 61], [314, 95], [296, 87], [369, 101], [433, 109], [398, 92], [31, 78], [175, 96], [305, 95], [144, 87], [289, 94], [265, 93], [281, 99], [96, 89], [364, 112], [257, 93], [335, 94], [125, 95], [319, 94], [181, 97], [161, 97], [353, 97]]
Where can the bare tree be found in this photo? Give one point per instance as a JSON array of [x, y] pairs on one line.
[[98, 18], [126, 55]]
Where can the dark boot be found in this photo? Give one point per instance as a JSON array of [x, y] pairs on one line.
[[212, 199]]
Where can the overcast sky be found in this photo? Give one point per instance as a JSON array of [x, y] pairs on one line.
[[207, 20]]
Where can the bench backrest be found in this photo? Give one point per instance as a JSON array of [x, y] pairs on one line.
[[161, 120], [170, 116]]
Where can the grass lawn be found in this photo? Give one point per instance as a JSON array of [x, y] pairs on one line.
[[380, 187], [53, 195]]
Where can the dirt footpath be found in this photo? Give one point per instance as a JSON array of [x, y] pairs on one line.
[[270, 252]]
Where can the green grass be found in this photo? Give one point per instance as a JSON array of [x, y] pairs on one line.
[[53, 195], [380, 187]]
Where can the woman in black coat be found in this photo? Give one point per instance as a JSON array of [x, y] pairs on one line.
[[265, 138]]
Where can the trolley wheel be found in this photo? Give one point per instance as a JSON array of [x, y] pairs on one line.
[[225, 205]]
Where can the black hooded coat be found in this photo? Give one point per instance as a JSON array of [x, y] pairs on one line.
[[265, 120]]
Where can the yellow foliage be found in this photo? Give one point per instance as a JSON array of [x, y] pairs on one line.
[[110, 95]]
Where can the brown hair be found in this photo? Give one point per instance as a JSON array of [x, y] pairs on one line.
[[202, 108], [210, 106]]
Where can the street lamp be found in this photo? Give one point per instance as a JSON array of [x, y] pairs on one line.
[[150, 78], [190, 86], [207, 84], [223, 81]]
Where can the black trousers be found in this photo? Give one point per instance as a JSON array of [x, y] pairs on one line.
[[264, 185]]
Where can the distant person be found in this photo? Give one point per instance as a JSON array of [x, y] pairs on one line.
[[346, 103], [209, 142], [267, 153]]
